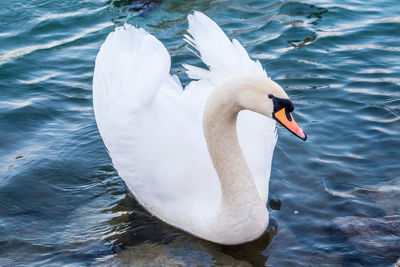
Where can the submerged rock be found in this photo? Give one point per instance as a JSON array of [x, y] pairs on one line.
[[144, 5], [141, 7], [372, 236], [377, 237], [186, 250], [385, 195], [370, 231], [173, 254]]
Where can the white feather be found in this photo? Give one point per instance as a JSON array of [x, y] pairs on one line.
[[223, 57], [153, 130]]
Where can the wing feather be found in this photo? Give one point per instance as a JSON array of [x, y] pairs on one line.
[[225, 58], [148, 127], [222, 56]]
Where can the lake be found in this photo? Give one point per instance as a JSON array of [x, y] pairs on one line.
[[334, 199]]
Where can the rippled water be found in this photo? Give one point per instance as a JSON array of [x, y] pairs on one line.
[[61, 201]]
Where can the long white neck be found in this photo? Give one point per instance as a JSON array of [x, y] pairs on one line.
[[241, 211]]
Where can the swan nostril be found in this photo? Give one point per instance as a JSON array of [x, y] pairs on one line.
[[287, 113]]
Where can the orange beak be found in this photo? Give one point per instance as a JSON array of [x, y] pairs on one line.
[[285, 118]]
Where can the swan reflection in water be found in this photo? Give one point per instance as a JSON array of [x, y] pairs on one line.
[[141, 238]]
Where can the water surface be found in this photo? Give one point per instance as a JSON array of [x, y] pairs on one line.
[[62, 202]]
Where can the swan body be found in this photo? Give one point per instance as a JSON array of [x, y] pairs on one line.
[[191, 157]]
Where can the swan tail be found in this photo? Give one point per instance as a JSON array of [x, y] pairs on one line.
[[222, 56], [130, 68]]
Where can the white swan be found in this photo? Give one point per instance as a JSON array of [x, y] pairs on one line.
[[178, 150]]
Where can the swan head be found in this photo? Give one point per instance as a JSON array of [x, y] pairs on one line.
[[261, 94]]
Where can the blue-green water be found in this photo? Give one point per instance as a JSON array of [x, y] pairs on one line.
[[61, 201]]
